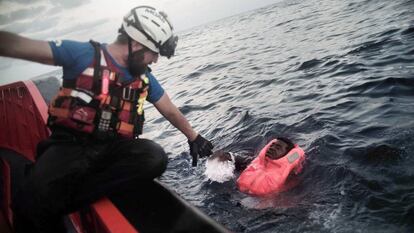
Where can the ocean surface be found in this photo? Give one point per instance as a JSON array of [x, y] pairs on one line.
[[337, 77]]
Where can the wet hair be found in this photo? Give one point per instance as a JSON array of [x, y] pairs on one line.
[[289, 143]]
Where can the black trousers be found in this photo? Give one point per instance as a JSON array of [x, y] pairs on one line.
[[74, 171]]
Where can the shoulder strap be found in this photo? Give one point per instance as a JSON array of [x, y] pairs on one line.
[[97, 66]]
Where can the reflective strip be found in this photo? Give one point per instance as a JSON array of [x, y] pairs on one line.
[[103, 61], [74, 93], [88, 71], [293, 157], [83, 96]]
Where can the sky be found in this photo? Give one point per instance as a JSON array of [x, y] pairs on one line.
[[74, 19]]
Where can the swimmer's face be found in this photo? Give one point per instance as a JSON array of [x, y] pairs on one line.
[[277, 150]]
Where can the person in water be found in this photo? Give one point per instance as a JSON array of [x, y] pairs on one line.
[[277, 150], [96, 119], [262, 175]]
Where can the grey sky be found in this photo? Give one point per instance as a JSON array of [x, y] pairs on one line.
[[74, 19]]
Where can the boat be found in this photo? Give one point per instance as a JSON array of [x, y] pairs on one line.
[[149, 207]]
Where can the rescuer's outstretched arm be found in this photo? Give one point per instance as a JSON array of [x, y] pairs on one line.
[[16, 46], [199, 146]]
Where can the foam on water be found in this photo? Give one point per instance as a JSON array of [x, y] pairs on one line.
[[219, 171]]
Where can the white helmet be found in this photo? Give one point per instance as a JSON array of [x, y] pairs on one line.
[[152, 29]]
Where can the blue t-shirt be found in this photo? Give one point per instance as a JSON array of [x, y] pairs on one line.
[[75, 57]]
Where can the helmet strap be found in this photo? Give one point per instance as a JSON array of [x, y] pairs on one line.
[[129, 49]]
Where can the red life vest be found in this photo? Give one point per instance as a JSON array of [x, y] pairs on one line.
[[265, 176], [100, 102]]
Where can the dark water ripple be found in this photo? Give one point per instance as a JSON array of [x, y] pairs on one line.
[[335, 76]]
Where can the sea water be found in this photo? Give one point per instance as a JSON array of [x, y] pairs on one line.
[[337, 77]]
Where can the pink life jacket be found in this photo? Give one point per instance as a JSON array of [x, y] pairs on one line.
[[265, 176]]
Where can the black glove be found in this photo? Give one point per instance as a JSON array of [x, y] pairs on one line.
[[200, 146]]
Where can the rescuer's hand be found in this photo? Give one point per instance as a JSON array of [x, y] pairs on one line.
[[200, 147]]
